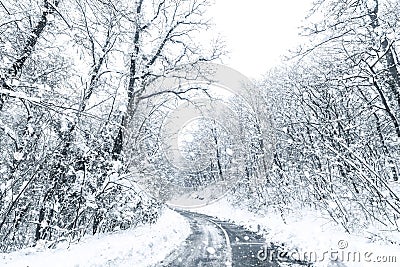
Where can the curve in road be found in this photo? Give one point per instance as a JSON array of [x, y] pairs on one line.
[[217, 243]]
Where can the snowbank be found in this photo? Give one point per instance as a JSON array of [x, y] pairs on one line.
[[313, 235], [142, 246]]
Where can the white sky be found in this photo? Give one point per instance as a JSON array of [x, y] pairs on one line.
[[258, 32]]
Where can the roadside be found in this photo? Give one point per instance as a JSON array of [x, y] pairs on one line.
[[142, 246], [308, 234]]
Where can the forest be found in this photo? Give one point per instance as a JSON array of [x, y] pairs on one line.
[[90, 89]]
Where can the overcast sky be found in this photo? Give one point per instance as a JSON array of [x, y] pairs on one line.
[[257, 32]]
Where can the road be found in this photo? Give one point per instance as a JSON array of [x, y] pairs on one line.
[[217, 243]]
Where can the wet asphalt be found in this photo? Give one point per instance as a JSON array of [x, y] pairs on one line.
[[218, 243]]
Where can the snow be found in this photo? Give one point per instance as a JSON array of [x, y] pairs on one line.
[[123, 109], [143, 246], [211, 250], [18, 156], [20, 95], [309, 233]]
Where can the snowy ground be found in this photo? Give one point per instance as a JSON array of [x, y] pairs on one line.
[[143, 246], [304, 234], [309, 234]]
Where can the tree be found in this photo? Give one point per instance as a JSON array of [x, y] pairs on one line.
[[336, 113], [158, 52], [69, 70]]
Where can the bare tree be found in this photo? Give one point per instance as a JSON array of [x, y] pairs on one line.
[[157, 52]]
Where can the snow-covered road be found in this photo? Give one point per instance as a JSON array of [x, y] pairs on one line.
[[217, 243]]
